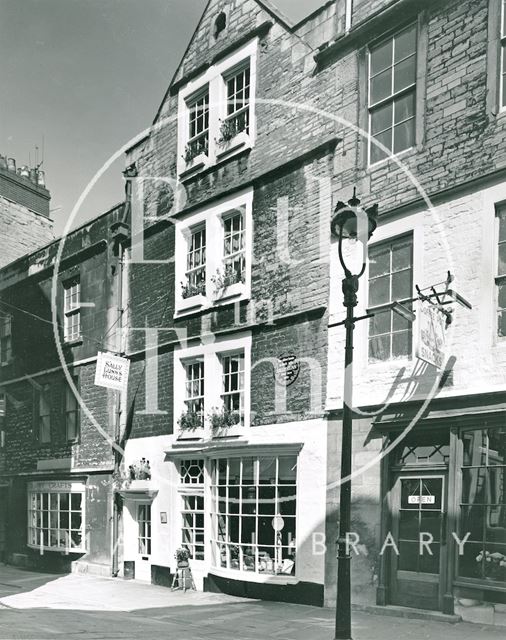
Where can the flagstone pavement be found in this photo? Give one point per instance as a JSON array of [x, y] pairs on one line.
[[37, 606]]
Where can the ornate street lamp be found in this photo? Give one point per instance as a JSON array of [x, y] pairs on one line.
[[349, 221]]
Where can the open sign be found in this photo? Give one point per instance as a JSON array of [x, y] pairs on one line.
[[421, 499]]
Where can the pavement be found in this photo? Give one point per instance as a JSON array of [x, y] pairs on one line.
[[38, 606]]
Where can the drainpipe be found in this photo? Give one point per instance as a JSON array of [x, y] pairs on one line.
[[119, 232]]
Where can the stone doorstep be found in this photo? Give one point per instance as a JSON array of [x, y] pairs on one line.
[[407, 612], [92, 569]]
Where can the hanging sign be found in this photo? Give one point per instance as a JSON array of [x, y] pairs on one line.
[[288, 368], [431, 334], [278, 523], [421, 499], [112, 371]]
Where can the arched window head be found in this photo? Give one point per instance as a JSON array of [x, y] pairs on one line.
[[219, 25]]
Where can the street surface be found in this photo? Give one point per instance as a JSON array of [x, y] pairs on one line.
[[35, 606]]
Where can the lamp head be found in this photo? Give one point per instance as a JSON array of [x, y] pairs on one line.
[[344, 222]]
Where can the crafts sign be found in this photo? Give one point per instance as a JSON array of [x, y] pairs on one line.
[[112, 371], [431, 339], [287, 369]]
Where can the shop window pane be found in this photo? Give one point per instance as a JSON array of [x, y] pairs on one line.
[[432, 492], [474, 485], [267, 500], [287, 508], [266, 561], [233, 500], [496, 485], [496, 447], [233, 528], [399, 323], [234, 470], [502, 260], [494, 562], [267, 470], [75, 500], [249, 500], [266, 534], [287, 470], [472, 522], [248, 530], [248, 465], [496, 524]]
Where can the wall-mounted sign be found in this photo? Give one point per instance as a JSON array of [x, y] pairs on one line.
[[431, 334], [421, 499], [163, 517], [287, 370], [112, 371]]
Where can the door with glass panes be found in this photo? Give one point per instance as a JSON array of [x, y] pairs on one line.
[[418, 529], [143, 562]]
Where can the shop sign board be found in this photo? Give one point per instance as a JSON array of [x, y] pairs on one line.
[[431, 334], [112, 371]]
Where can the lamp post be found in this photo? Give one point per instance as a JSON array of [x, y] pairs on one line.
[[349, 221]]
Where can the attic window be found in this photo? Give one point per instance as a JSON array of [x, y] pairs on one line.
[[219, 25]]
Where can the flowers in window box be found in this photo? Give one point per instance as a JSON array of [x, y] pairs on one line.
[[223, 419], [193, 289], [193, 150], [190, 421], [227, 277], [140, 470], [232, 127]]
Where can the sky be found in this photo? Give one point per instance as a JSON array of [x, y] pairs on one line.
[[80, 78]]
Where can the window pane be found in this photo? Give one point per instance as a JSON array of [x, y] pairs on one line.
[[381, 57], [381, 323], [399, 323], [381, 118], [381, 86], [401, 255], [401, 344], [401, 285], [379, 291], [267, 470], [502, 260], [405, 43], [377, 152], [379, 348], [405, 107], [501, 328], [497, 446], [404, 74], [404, 135], [502, 225], [379, 261], [287, 470]]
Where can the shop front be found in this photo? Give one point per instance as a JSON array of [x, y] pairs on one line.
[[247, 513], [444, 514]]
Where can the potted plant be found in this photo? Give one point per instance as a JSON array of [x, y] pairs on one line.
[[190, 421], [225, 278], [190, 290], [223, 419]]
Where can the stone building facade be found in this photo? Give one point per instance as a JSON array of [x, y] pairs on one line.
[[57, 427]]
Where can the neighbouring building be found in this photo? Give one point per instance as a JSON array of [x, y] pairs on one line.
[[60, 305]]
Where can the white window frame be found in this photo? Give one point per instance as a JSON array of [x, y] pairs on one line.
[[214, 79], [270, 574], [212, 218], [144, 529], [394, 95], [72, 310], [55, 488], [193, 487], [5, 339], [499, 279], [211, 355]]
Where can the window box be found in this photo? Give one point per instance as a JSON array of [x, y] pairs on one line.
[[140, 490], [225, 147], [230, 291], [193, 302], [195, 164]]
